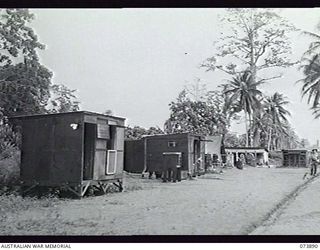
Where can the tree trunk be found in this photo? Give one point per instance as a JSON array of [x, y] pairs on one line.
[[247, 130], [253, 68], [250, 129], [269, 139]]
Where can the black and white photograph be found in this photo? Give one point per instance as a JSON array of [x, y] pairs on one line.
[[159, 121]]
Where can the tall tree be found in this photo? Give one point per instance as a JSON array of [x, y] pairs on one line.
[[260, 127], [316, 111], [25, 84], [253, 39], [204, 116], [138, 132], [63, 99], [310, 65], [314, 47], [243, 92], [311, 81], [24, 88], [18, 42], [275, 108], [271, 127], [196, 91], [233, 140]]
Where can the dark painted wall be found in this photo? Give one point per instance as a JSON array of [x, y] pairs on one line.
[[159, 144], [52, 150], [134, 156]]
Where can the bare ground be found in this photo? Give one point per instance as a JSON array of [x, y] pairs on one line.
[[234, 202], [300, 215]]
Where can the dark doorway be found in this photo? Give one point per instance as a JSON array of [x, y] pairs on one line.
[[90, 131], [196, 156], [235, 158]]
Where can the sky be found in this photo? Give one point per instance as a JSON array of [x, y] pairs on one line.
[[136, 61]]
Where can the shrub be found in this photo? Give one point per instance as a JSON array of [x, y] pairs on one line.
[[9, 153], [10, 167]]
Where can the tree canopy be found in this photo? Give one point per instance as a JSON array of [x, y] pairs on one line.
[[25, 89], [253, 39], [26, 85], [138, 132], [203, 116], [18, 42]]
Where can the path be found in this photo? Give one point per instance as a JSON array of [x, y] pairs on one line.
[[299, 216], [232, 203]]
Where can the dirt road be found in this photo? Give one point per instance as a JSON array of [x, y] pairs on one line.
[[231, 203], [299, 216]]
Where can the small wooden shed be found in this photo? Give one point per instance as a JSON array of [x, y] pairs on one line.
[[74, 150], [147, 154], [294, 158]]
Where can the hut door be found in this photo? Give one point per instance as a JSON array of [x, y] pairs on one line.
[[171, 161], [196, 155], [89, 150], [101, 149], [111, 156]]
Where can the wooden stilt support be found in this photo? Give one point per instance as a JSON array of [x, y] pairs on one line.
[[103, 186], [119, 185], [76, 191], [85, 188], [24, 192]]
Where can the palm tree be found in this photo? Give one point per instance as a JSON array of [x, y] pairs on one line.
[[243, 92], [314, 47], [259, 128], [275, 109], [311, 82], [311, 70], [316, 111]]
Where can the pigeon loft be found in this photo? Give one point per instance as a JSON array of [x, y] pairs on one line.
[[73, 150]]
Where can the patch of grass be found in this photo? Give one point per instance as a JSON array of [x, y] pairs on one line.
[[13, 204], [10, 167]]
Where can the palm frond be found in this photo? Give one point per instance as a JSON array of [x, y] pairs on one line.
[[316, 112], [311, 34]]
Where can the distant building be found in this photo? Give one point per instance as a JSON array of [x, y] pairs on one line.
[[294, 158], [149, 153], [261, 155], [185, 149]]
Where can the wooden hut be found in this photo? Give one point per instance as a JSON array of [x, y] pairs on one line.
[[150, 153], [74, 150], [294, 158]]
